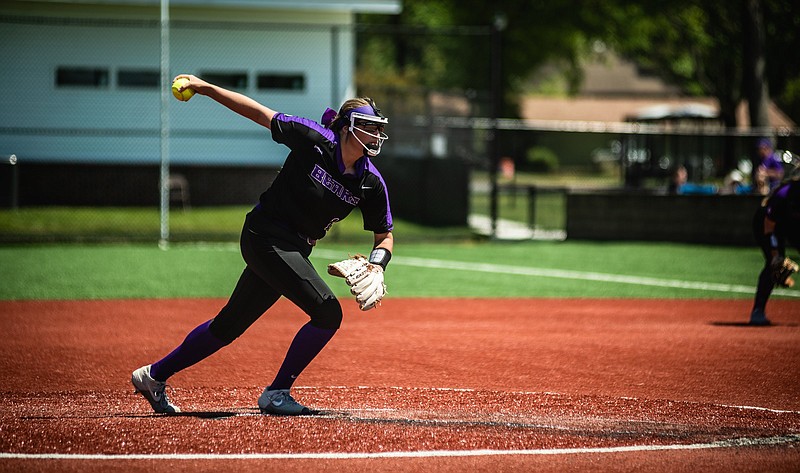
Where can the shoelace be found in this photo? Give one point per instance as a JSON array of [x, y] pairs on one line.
[[284, 397], [160, 390]]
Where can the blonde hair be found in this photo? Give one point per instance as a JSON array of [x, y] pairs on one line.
[[340, 120]]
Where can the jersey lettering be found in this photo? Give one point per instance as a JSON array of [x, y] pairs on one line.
[[327, 181]]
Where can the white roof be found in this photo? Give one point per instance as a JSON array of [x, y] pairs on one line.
[[357, 6], [686, 110]]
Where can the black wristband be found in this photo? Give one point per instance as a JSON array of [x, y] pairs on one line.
[[380, 256]]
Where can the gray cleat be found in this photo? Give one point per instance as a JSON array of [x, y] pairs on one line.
[[758, 317], [280, 402]]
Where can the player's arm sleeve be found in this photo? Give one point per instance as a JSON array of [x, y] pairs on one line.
[[376, 210], [299, 132]]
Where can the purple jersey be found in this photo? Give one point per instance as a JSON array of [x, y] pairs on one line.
[[783, 207], [311, 192]]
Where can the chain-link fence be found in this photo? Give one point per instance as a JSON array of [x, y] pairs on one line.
[[82, 112], [82, 116], [88, 131]]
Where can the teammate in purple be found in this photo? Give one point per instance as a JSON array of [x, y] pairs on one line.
[[325, 176], [775, 223], [769, 169]]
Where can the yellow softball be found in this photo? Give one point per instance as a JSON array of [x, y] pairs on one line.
[[176, 90]]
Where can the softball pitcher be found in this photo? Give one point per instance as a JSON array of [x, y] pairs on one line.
[[327, 173]]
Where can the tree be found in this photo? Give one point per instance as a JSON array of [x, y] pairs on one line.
[[445, 43], [694, 45], [705, 47], [727, 50], [755, 80], [782, 49]]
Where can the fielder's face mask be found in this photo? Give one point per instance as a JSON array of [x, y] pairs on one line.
[[369, 121]]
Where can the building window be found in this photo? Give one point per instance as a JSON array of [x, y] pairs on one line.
[[81, 77], [138, 78], [229, 80], [272, 81]]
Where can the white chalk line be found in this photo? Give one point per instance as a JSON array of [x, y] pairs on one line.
[[732, 443], [565, 274], [729, 443], [540, 272]]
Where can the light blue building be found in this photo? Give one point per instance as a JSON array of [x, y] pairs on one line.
[[80, 79]]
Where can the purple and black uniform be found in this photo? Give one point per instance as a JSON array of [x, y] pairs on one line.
[[783, 208], [309, 195], [311, 192]]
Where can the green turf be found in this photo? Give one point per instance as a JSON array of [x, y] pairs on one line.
[[77, 271], [106, 224]]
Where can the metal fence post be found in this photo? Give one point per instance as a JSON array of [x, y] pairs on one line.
[[532, 207], [11, 160], [498, 26]]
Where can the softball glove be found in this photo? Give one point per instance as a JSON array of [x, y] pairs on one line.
[[364, 278], [782, 269]]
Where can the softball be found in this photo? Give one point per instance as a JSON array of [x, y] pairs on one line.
[[182, 96]]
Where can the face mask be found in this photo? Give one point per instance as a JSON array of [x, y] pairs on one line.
[[359, 120]]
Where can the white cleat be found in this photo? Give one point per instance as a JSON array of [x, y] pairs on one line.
[[152, 390]]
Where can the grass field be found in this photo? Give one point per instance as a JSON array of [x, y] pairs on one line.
[[119, 258], [454, 269], [223, 223], [105, 224]]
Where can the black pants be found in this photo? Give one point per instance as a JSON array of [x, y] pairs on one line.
[[277, 265], [765, 281]]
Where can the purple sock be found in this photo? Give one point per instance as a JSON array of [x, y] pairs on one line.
[[198, 345], [306, 345]]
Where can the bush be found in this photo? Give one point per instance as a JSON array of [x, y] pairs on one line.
[[541, 159]]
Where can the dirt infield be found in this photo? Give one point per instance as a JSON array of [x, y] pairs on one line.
[[439, 385]]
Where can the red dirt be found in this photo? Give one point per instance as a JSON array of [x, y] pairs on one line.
[[415, 375]]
